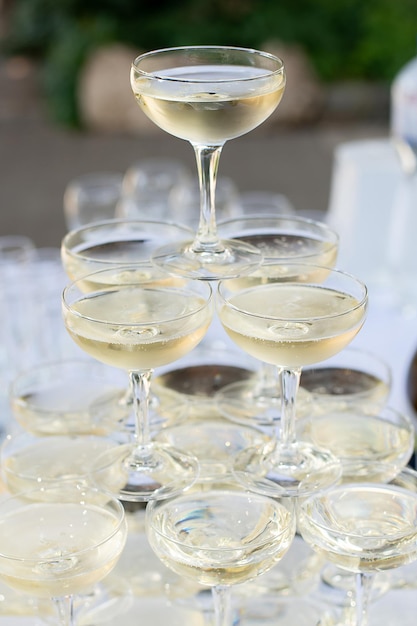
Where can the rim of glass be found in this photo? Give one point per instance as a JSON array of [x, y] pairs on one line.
[[386, 413], [297, 219], [50, 482], [322, 232], [102, 224], [159, 74], [331, 271], [153, 504], [38, 369], [74, 285], [315, 500], [119, 515], [96, 370]]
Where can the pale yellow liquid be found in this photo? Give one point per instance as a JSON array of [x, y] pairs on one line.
[[294, 247], [376, 527], [353, 437], [312, 323], [125, 327], [51, 546], [88, 259], [145, 276], [51, 459], [279, 272], [288, 258], [218, 549], [216, 104], [93, 409]]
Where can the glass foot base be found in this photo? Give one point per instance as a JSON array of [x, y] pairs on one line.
[[215, 441], [138, 564], [337, 586], [296, 470], [231, 259], [139, 475], [108, 600], [246, 402], [274, 610]]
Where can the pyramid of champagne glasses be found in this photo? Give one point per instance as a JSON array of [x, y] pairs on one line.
[[192, 478]]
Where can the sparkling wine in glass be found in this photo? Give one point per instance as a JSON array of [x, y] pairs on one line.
[[208, 95], [117, 242], [405, 577], [279, 238], [291, 323], [138, 328], [59, 542], [220, 536], [364, 528], [111, 244], [92, 198]]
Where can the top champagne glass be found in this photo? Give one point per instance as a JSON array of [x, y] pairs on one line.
[[208, 95]]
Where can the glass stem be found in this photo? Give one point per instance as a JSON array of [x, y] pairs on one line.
[[65, 606], [290, 381], [207, 165], [268, 385], [222, 600], [140, 383], [364, 584]]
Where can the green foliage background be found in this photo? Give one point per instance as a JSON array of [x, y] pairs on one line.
[[346, 39]]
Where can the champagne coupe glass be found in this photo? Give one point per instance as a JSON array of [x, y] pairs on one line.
[[28, 461], [405, 577], [311, 315], [91, 198], [357, 437], [150, 187], [207, 95], [354, 379], [138, 328], [364, 528], [116, 242], [279, 238], [112, 243], [220, 535], [58, 542], [69, 397]]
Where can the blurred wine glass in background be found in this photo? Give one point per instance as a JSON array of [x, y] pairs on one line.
[[91, 198], [155, 187]]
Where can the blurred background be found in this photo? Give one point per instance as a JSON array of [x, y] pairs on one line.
[[66, 107]]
